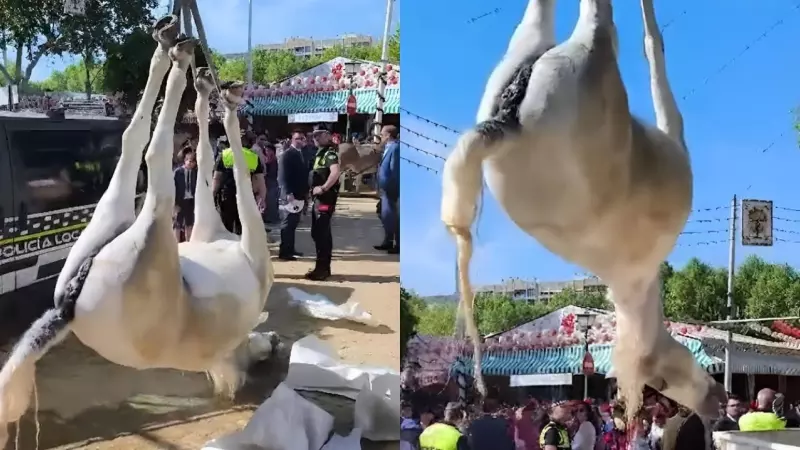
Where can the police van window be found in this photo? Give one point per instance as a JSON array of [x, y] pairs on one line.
[[62, 168]]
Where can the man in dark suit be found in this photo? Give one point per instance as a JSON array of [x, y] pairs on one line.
[[293, 182], [389, 185], [733, 410]]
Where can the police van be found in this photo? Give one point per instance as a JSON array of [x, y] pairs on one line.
[[52, 174]]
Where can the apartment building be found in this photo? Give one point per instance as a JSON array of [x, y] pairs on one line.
[[536, 290], [307, 47]]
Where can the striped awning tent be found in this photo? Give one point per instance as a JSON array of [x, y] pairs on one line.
[[318, 102], [562, 360]]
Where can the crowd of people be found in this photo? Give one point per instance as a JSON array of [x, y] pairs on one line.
[[660, 424], [289, 177]]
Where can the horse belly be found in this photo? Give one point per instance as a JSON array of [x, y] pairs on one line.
[[222, 275], [100, 323]]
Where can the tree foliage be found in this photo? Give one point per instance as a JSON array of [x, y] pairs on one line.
[[696, 292], [408, 321], [73, 79], [42, 28]]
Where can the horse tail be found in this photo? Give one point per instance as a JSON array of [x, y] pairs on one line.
[[18, 374]]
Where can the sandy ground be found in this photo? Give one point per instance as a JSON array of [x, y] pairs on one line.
[[88, 403]]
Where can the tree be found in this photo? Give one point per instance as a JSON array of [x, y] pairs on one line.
[[127, 65], [697, 292], [73, 79], [41, 28], [408, 321], [498, 313], [583, 299], [775, 292], [394, 46]]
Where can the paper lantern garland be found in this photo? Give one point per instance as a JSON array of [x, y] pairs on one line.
[[366, 77]]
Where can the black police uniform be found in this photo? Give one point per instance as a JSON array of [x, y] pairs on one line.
[[323, 206]]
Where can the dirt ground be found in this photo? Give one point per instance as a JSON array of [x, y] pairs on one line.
[[88, 403]]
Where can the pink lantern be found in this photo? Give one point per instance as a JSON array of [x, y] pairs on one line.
[[553, 333], [362, 72], [684, 330], [375, 70], [389, 67], [323, 79]]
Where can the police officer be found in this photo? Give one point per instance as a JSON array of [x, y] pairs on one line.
[[554, 435], [445, 435], [224, 185], [324, 182]]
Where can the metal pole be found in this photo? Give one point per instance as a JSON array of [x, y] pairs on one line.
[[729, 314], [349, 93], [250, 42], [382, 78], [585, 351]]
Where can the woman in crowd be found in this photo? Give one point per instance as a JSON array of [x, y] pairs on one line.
[[586, 436]]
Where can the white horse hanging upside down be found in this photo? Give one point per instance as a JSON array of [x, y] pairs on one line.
[[128, 290], [570, 165]]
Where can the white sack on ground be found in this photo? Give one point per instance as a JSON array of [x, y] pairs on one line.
[[376, 414], [314, 366], [320, 307], [285, 421]]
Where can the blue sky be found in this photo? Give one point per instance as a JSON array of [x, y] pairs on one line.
[[225, 22], [730, 67]]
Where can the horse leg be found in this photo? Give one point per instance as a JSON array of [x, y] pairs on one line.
[[668, 116], [534, 35], [115, 211], [254, 236], [154, 301], [645, 353], [207, 222]]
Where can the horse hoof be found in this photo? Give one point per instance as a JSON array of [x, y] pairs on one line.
[[203, 81], [166, 30], [232, 93], [183, 49], [263, 346]]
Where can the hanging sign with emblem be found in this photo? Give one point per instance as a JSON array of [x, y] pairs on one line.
[[757, 223]]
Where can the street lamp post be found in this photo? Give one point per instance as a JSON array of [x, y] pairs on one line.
[[585, 322], [250, 42], [350, 68]]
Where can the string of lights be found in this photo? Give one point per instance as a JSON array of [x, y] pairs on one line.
[[484, 15], [421, 166], [415, 148], [429, 121], [746, 48], [729, 63], [702, 243], [427, 138]]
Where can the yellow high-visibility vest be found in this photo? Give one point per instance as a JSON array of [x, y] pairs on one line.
[[250, 157]]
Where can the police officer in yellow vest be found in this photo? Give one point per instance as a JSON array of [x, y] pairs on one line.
[[445, 435], [224, 186], [554, 435], [764, 417], [324, 182]]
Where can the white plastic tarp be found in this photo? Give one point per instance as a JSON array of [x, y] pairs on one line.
[[287, 421]]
